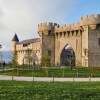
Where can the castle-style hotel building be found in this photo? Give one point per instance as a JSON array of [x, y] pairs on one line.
[[83, 37]]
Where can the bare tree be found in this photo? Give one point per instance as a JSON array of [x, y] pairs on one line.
[[30, 58]]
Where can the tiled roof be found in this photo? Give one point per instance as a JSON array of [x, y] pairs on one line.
[[29, 41]]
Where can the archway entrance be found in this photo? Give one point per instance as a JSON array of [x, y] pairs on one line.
[[67, 57]]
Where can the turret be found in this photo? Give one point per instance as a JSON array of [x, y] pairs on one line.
[[46, 28], [15, 40], [46, 32]]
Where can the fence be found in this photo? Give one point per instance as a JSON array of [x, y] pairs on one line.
[[47, 79]]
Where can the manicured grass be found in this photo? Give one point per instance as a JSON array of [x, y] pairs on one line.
[[17, 90], [54, 72]]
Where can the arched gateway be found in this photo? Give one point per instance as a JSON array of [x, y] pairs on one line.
[[67, 57]]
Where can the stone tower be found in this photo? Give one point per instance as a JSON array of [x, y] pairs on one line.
[[90, 25], [46, 32], [15, 40]]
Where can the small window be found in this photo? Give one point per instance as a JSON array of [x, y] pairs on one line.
[[99, 41], [49, 53], [64, 34], [99, 27], [72, 33], [85, 52], [25, 45], [49, 33]]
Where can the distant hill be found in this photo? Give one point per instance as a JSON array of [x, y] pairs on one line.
[[7, 56]]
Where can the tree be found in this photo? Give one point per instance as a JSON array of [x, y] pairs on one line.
[[71, 61], [30, 58], [15, 61], [46, 61]]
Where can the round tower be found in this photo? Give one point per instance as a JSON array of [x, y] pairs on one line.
[[15, 40], [46, 32], [46, 28]]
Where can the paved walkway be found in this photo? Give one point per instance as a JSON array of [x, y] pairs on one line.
[[47, 79]]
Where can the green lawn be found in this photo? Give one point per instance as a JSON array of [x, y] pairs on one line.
[[16, 90], [54, 72]]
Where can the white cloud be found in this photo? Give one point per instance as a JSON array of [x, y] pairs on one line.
[[23, 16]]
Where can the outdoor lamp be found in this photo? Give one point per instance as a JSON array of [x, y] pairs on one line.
[[0, 46]]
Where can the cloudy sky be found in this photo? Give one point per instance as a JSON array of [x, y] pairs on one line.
[[23, 16]]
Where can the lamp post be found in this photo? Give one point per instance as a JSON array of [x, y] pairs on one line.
[[0, 55], [0, 46]]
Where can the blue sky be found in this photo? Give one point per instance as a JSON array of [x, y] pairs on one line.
[[23, 16], [82, 8]]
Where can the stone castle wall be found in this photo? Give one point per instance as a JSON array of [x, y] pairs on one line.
[[77, 35], [94, 48], [23, 51]]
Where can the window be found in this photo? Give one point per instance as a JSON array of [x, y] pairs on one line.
[[24, 45], [57, 35], [72, 33], [64, 34], [49, 32], [98, 27], [85, 52], [49, 53], [99, 41]]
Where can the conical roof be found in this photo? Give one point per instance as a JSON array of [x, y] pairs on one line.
[[15, 38]]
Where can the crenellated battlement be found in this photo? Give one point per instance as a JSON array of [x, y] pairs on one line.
[[46, 28], [84, 21], [67, 27], [90, 20], [88, 17], [45, 24]]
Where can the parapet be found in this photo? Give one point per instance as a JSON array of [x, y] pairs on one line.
[[67, 27], [90, 20], [84, 21], [46, 26]]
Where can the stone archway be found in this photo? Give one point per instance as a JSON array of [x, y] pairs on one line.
[[67, 57], [76, 44]]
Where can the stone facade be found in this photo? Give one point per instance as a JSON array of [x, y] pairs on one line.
[[83, 37], [27, 47]]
